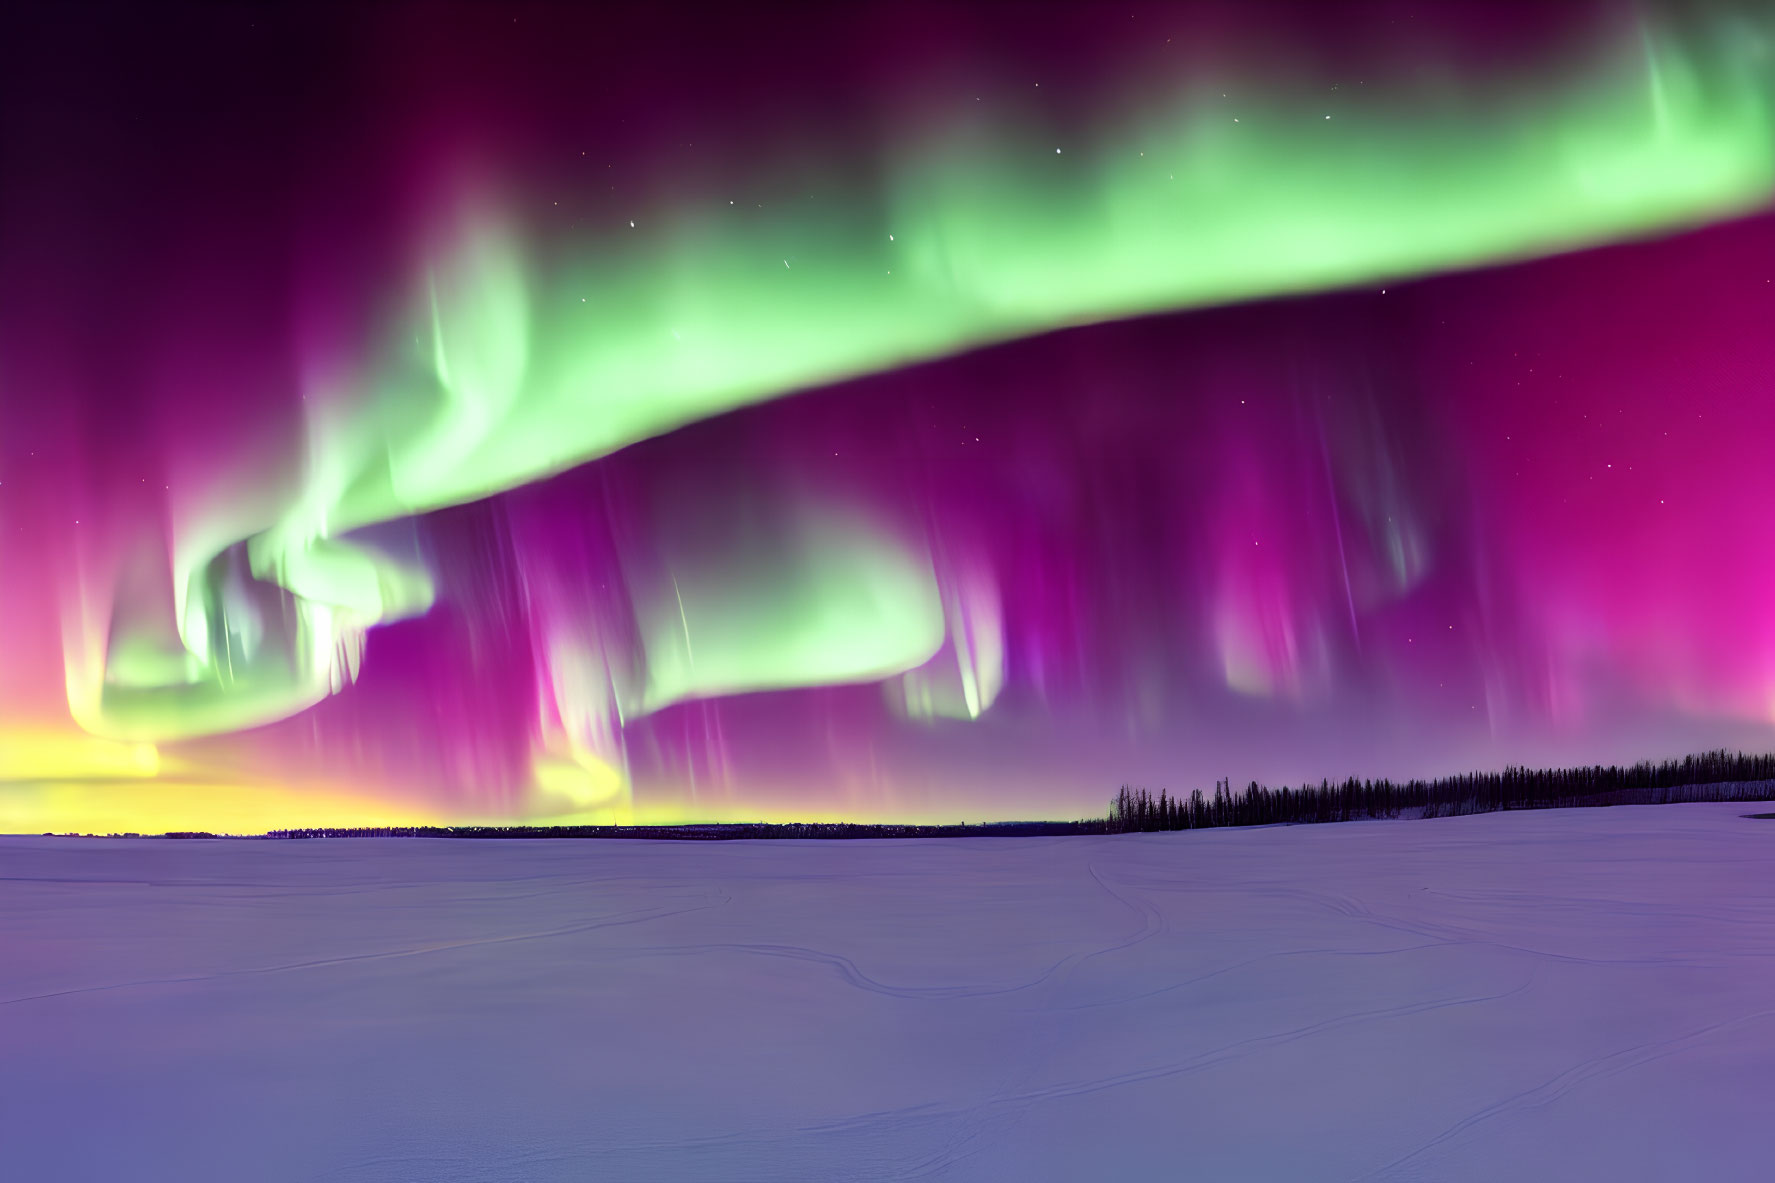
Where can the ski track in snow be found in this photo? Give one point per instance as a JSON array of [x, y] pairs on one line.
[[1580, 993]]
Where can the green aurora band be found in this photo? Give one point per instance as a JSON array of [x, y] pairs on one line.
[[524, 356]]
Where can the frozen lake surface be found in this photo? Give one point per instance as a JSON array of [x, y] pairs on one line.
[[1582, 994]]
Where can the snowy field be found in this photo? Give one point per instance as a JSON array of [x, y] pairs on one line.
[[1575, 995]]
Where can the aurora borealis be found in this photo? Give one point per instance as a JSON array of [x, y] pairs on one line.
[[445, 413]]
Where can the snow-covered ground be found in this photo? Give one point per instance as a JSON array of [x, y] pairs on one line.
[[1584, 994]]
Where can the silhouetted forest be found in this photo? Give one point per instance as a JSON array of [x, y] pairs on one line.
[[1712, 776]]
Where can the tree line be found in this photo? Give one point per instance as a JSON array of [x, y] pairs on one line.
[[1710, 776]]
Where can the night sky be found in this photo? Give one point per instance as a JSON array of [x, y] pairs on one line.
[[899, 411]]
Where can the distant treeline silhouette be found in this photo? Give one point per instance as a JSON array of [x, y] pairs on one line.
[[1711, 776], [723, 831]]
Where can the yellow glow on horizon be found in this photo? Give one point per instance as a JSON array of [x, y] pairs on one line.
[[67, 782], [52, 755], [755, 811], [170, 806]]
